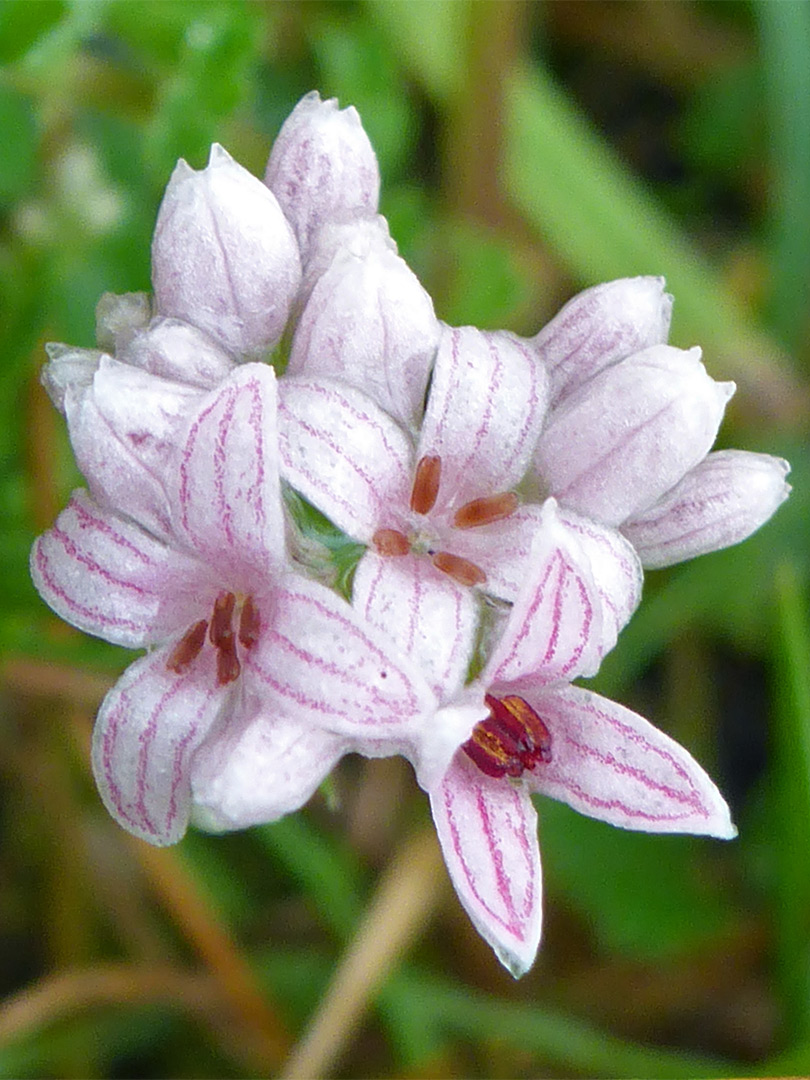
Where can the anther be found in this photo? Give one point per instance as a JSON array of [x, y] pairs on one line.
[[249, 624], [188, 648], [426, 484], [486, 510], [390, 542], [461, 570], [228, 666], [511, 740], [221, 628]]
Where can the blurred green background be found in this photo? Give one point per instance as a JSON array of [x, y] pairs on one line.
[[527, 151]]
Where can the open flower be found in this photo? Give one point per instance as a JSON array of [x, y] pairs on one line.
[[539, 734], [257, 679], [442, 516], [632, 423]]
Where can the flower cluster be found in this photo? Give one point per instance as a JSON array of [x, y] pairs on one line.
[[505, 494]]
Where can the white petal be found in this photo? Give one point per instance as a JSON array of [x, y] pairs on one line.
[[345, 455], [485, 409], [628, 435], [431, 618], [104, 574], [612, 764], [259, 770], [488, 832], [225, 488], [555, 626], [602, 325], [718, 503], [149, 726], [124, 429], [319, 661]]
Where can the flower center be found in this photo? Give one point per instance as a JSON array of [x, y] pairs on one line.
[[425, 491], [220, 631], [511, 740]]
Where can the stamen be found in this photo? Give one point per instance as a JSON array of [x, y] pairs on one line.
[[390, 542], [188, 648], [511, 740], [486, 510], [249, 624], [228, 666], [426, 484], [461, 570], [221, 628]]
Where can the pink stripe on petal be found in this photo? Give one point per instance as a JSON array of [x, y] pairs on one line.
[[148, 728], [488, 832], [344, 454], [102, 573], [431, 618], [612, 764], [226, 490], [321, 656]]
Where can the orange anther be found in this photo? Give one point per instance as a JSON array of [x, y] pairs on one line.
[[390, 542], [426, 484], [249, 624], [483, 511], [187, 648], [221, 628], [461, 570]]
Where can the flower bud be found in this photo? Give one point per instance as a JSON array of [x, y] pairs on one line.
[[602, 325], [120, 317], [322, 167], [68, 369], [224, 257], [624, 438], [367, 320], [176, 350], [718, 503]]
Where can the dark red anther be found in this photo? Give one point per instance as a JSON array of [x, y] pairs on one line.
[[511, 740], [486, 510], [249, 624], [390, 542], [461, 570], [188, 648], [228, 666], [426, 484], [222, 619]]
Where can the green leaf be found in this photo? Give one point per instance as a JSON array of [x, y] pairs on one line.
[[18, 130]]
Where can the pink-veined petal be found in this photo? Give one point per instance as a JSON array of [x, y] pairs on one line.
[[612, 764], [555, 626], [718, 503], [624, 438], [259, 770], [485, 409], [488, 832], [344, 454], [148, 729], [616, 570], [319, 661], [431, 618], [502, 549], [124, 429], [602, 325], [225, 491], [104, 574]]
